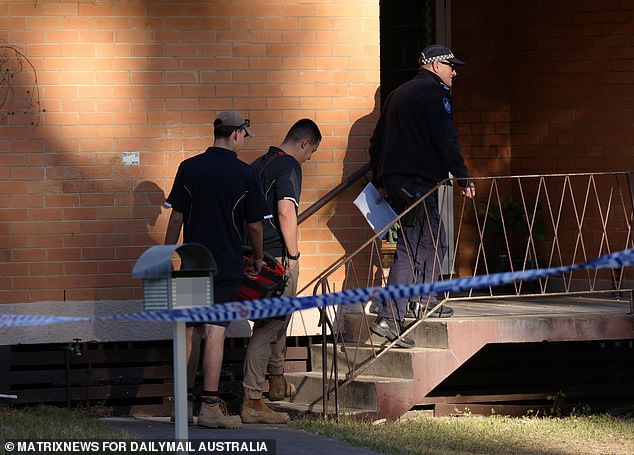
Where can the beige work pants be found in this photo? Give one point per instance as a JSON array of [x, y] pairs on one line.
[[267, 347]]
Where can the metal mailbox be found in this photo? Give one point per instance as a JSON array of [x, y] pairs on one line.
[[165, 288]]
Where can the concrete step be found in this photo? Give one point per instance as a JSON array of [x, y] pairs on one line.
[[431, 333], [316, 411], [396, 362], [360, 394]]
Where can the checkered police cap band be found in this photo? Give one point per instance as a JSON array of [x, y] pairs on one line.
[[438, 52], [428, 60]]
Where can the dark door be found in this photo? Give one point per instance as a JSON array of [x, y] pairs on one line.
[[407, 26]]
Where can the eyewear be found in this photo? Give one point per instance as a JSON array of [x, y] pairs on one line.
[[450, 65]]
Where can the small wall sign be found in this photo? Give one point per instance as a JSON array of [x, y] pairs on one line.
[[131, 158]]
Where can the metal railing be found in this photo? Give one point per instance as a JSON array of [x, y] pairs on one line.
[[514, 223], [332, 194]]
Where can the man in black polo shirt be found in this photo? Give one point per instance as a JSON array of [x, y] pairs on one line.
[[213, 196], [281, 175]]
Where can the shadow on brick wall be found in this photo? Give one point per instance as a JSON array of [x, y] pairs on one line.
[[346, 222]]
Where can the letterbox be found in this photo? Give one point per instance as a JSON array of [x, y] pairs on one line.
[[165, 288]]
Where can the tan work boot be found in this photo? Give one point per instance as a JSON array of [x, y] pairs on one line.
[[213, 414], [256, 411], [279, 388]]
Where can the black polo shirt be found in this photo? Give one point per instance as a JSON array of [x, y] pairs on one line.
[[281, 177], [217, 193]]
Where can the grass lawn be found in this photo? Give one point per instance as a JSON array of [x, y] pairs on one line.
[[465, 434], [45, 422], [587, 435]]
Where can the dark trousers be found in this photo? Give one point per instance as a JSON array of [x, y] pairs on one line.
[[421, 246]]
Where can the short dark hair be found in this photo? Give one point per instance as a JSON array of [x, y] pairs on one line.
[[303, 129], [222, 131]]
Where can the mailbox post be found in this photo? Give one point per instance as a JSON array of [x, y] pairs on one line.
[[165, 288]]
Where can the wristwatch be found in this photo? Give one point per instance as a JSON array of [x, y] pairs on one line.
[[294, 258]]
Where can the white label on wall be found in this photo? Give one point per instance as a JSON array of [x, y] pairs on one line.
[[131, 158]]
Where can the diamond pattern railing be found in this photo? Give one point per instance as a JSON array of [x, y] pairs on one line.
[[514, 223]]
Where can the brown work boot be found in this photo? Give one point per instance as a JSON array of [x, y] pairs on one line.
[[213, 414], [279, 388], [256, 411]]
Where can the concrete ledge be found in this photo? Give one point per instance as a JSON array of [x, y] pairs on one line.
[[101, 331]]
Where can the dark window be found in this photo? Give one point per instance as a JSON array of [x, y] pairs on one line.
[[407, 26]]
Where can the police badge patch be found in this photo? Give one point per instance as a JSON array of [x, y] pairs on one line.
[[447, 104]]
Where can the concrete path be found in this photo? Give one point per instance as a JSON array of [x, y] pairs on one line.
[[288, 440]]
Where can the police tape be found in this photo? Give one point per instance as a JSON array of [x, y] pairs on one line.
[[281, 306]]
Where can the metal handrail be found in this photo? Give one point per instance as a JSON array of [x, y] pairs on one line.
[[336, 191], [549, 220], [324, 321]]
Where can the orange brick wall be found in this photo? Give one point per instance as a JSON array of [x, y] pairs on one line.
[[84, 82], [546, 89], [482, 87], [548, 85], [572, 86]]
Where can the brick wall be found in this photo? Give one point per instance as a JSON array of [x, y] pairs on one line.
[[573, 111], [482, 87], [84, 82], [548, 85], [481, 94], [546, 90], [572, 86]]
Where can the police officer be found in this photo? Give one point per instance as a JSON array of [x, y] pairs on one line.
[[414, 146]]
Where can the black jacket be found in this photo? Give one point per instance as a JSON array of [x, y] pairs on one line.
[[415, 134]]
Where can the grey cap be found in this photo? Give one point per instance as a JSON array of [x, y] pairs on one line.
[[235, 119]]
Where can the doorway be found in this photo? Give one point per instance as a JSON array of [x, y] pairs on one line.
[[406, 28]]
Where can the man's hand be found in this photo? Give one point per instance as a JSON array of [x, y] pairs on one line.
[[382, 194], [254, 264], [173, 228], [253, 268], [469, 192]]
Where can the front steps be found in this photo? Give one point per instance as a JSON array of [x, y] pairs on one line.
[[386, 387], [402, 379]]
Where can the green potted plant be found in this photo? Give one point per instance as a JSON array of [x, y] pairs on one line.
[[510, 217], [388, 245]]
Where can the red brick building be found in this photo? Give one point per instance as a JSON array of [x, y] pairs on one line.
[[100, 101]]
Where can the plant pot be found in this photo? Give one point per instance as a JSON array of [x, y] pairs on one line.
[[387, 253]]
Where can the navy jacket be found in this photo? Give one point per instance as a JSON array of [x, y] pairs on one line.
[[415, 134]]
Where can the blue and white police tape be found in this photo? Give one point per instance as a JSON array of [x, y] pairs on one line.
[[27, 320], [281, 306]]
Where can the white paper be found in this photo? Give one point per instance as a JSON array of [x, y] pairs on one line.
[[378, 214]]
